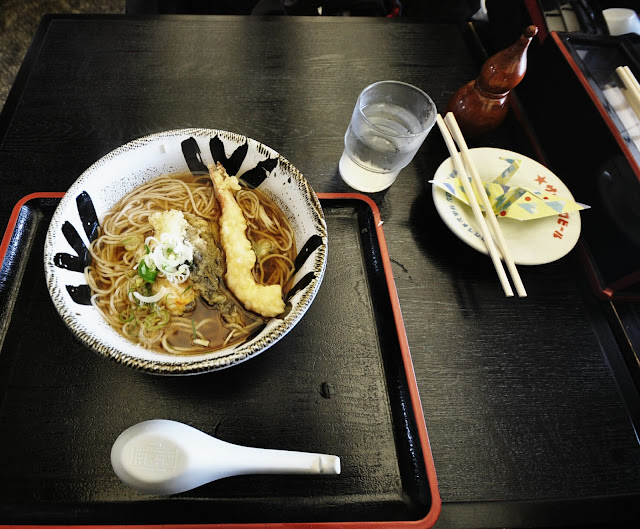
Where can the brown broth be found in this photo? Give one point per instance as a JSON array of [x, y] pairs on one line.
[[213, 330]]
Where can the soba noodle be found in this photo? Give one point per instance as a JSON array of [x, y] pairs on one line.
[[146, 309]]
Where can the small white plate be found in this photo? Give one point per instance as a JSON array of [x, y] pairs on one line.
[[532, 242]]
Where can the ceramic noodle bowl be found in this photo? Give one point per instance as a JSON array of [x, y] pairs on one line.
[[75, 224]]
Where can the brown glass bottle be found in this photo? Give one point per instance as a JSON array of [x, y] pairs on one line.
[[481, 105]]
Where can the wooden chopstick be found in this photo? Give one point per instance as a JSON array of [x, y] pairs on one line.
[[632, 88], [451, 122], [475, 207], [633, 79]]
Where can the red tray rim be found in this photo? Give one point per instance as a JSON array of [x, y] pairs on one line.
[[436, 503]]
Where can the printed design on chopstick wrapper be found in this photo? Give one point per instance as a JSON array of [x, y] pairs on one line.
[[452, 205]]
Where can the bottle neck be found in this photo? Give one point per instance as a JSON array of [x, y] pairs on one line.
[[487, 94]]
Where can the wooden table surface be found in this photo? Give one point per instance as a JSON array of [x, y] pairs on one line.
[[529, 409]]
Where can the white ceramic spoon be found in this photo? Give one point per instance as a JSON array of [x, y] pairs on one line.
[[168, 457]]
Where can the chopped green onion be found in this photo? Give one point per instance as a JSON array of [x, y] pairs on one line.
[[186, 290], [145, 289], [132, 242], [262, 248], [147, 249], [146, 273], [124, 317], [165, 316], [131, 328]]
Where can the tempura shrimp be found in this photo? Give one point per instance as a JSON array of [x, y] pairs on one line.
[[241, 259]]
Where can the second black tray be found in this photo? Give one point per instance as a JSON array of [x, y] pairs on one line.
[[340, 382]]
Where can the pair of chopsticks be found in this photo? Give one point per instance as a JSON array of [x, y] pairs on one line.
[[450, 132], [632, 87]]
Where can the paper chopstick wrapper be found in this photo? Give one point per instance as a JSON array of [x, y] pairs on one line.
[[514, 202]]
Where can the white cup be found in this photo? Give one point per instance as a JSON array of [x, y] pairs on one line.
[[621, 21]]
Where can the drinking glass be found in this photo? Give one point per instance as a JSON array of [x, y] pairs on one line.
[[390, 121]]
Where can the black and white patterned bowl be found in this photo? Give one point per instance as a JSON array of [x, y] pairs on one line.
[[75, 224]]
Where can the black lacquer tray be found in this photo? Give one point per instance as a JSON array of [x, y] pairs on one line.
[[341, 382]]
